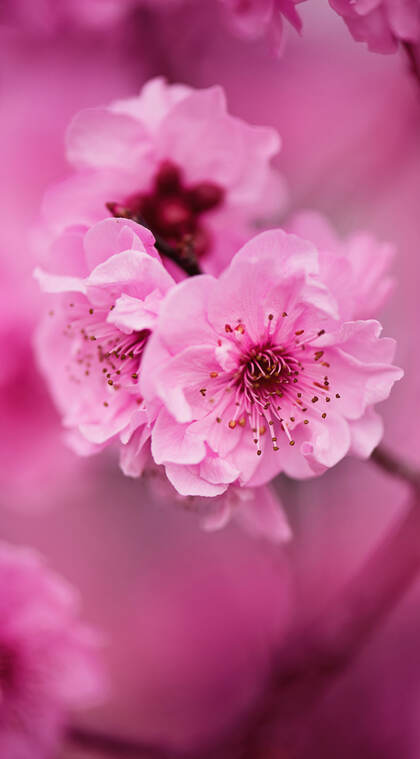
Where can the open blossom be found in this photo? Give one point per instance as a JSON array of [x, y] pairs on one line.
[[381, 23], [108, 283], [254, 18], [356, 269], [257, 372], [176, 161], [48, 661]]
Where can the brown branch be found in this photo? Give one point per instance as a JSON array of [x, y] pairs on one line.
[[320, 654], [316, 657], [396, 467], [413, 59]]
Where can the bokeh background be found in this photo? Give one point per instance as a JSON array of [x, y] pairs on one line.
[[192, 620]]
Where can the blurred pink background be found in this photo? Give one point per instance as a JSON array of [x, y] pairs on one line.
[[192, 620]]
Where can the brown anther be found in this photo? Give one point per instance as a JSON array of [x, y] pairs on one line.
[[203, 391], [213, 375], [299, 332], [306, 421], [321, 332], [270, 317], [110, 382], [337, 395], [276, 448], [91, 310], [106, 403], [314, 399], [262, 429], [328, 398], [134, 375], [228, 328], [299, 395], [292, 418], [324, 416], [318, 355], [292, 442], [284, 313], [218, 420], [232, 424], [259, 452], [242, 421]]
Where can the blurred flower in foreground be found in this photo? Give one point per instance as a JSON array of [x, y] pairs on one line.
[[47, 657], [108, 284], [257, 373], [254, 18], [173, 159], [381, 23]]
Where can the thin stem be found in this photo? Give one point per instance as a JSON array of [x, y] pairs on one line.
[[396, 467], [184, 256], [413, 59]]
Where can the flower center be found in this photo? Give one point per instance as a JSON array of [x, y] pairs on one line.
[[274, 387], [101, 350], [174, 211]]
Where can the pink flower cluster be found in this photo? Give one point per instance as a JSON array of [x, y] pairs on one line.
[[47, 657], [269, 363], [381, 23]]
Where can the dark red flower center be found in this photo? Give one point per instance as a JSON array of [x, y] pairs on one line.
[[174, 211]]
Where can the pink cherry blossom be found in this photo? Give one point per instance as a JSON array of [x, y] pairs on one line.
[[354, 269], [253, 18], [381, 23], [107, 284], [256, 373], [143, 158], [48, 658]]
